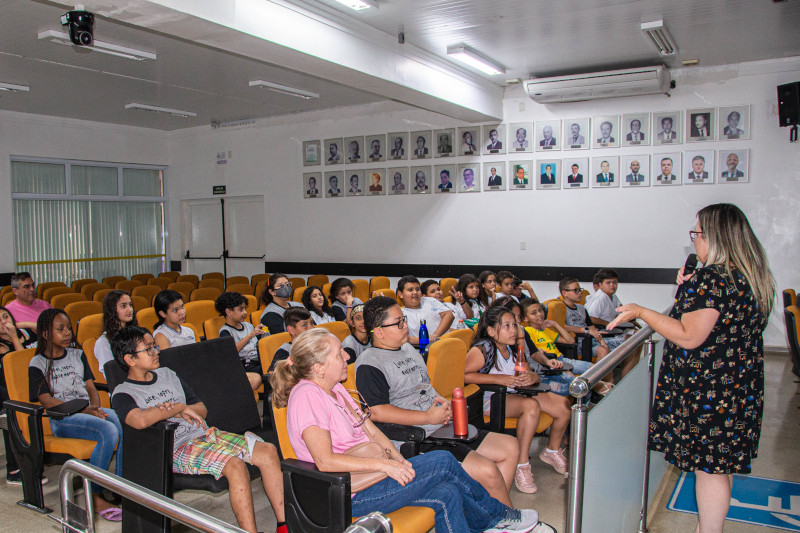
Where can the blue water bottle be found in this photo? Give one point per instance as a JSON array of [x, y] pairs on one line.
[[424, 339]]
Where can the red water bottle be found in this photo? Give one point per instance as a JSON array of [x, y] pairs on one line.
[[520, 366], [459, 406]]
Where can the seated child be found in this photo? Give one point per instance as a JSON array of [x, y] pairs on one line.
[[342, 299], [394, 381], [171, 314], [437, 317], [431, 289], [317, 305], [358, 340], [602, 308], [297, 320], [491, 361], [118, 312], [508, 282], [151, 394], [469, 286], [276, 300], [488, 281], [233, 306], [578, 320], [544, 333]]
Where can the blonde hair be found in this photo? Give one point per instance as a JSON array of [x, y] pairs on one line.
[[732, 243], [309, 348]]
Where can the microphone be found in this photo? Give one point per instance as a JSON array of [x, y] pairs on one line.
[[690, 264]]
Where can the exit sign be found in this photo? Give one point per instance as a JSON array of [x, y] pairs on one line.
[[219, 189]]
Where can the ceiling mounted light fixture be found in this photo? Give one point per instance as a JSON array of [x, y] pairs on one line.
[[284, 89], [60, 37], [155, 109], [658, 34], [12, 87], [476, 60], [359, 5]]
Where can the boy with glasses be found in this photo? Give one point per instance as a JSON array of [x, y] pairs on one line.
[[578, 320], [151, 394], [393, 379]]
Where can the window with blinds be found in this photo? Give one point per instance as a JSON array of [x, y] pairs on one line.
[[75, 220]]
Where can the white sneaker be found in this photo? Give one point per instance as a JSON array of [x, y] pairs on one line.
[[543, 527], [518, 521]]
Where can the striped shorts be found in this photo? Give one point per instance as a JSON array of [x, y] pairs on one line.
[[210, 453]]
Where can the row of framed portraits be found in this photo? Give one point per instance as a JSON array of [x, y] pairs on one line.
[[611, 131], [691, 167]]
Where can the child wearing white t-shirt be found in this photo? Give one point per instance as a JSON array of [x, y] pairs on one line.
[[437, 317], [432, 289]]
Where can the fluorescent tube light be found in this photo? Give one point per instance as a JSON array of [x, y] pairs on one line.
[[476, 60], [155, 109], [359, 5], [284, 89], [11, 87], [659, 35], [99, 46]]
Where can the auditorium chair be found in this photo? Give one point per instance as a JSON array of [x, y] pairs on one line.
[[79, 283], [297, 282], [111, 281], [5, 290], [147, 318], [183, 287], [88, 327], [142, 278], [89, 289], [464, 335], [171, 275], [161, 282], [50, 293], [791, 316], [148, 292], [60, 301], [41, 287], [205, 293], [8, 297], [338, 328], [258, 278], [100, 295], [789, 298], [212, 282], [259, 288], [236, 280], [212, 325], [213, 275], [378, 282], [317, 280], [199, 311], [241, 288], [77, 310], [297, 293], [139, 302], [361, 289], [128, 285], [212, 369], [99, 379], [252, 303], [189, 278], [446, 284]]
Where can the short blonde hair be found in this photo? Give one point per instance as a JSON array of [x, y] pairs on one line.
[[309, 348]]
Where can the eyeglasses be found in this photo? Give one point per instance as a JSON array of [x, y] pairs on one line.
[[693, 234], [400, 323], [151, 350], [362, 413], [574, 290]]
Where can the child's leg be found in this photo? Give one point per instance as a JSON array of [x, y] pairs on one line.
[[254, 379], [526, 411], [112, 417], [235, 471], [265, 457], [629, 362], [557, 407]]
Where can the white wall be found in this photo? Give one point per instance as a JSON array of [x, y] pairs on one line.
[[614, 227]]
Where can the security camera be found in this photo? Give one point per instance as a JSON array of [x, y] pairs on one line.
[[81, 27]]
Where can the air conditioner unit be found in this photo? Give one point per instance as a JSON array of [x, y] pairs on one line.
[[596, 85]]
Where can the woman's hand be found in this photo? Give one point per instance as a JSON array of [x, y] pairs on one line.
[[400, 471], [627, 313], [681, 278]]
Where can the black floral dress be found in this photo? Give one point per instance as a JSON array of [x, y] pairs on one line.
[[709, 400]]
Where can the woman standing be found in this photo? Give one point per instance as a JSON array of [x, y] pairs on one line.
[[709, 399]]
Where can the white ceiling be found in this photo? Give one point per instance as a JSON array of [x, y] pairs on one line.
[[529, 37]]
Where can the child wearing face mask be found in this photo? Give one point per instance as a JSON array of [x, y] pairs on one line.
[[276, 298]]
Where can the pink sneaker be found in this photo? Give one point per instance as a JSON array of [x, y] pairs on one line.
[[556, 460], [523, 479]]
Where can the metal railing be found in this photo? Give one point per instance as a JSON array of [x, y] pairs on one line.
[[581, 388], [77, 519]]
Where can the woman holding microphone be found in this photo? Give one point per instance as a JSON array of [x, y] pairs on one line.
[[709, 397]]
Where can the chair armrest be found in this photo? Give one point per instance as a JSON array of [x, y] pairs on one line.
[[410, 436], [568, 350], [24, 407], [310, 470], [497, 407], [147, 456], [101, 387], [315, 501]]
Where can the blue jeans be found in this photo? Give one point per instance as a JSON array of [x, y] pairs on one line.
[[461, 504], [107, 433], [559, 383]]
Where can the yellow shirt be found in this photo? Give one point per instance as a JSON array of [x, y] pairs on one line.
[[545, 340]]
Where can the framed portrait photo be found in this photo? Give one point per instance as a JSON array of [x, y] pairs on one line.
[[698, 167], [333, 184], [469, 177], [333, 151], [701, 124], [605, 131], [605, 172], [666, 169], [311, 153], [355, 149], [421, 144], [548, 173], [733, 166], [734, 122], [520, 175], [375, 147], [397, 180], [547, 135], [398, 143], [521, 134], [575, 134], [376, 185], [312, 183], [494, 176], [576, 173], [444, 180], [468, 137], [667, 128], [444, 142], [636, 129], [494, 139], [355, 184], [420, 180], [636, 170]]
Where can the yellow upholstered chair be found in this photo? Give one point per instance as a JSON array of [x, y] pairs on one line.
[[197, 333], [112, 281], [139, 302], [258, 278], [162, 282], [268, 345], [218, 284], [317, 280], [376, 283], [172, 275], [183, 287], [148, 292], [77, 310], [100, 295], [147, 318], [241, 288], [236, 280], [255, 316], [212, 325], [128, 285], [89, 289], [189, 278], [142, 278], [446, 284], [89, 326], [94, 364], [338, 328], [446, 362], [205, 293], [252, 303], [10, 296], [48, 294], [464, 335], [41, 287], [60, 301], [361, 289], [213, 275], [297, 295], [199, 311], [789, 298], [79, 283]]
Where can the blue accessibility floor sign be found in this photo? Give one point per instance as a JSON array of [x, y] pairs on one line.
[[754, 500]]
